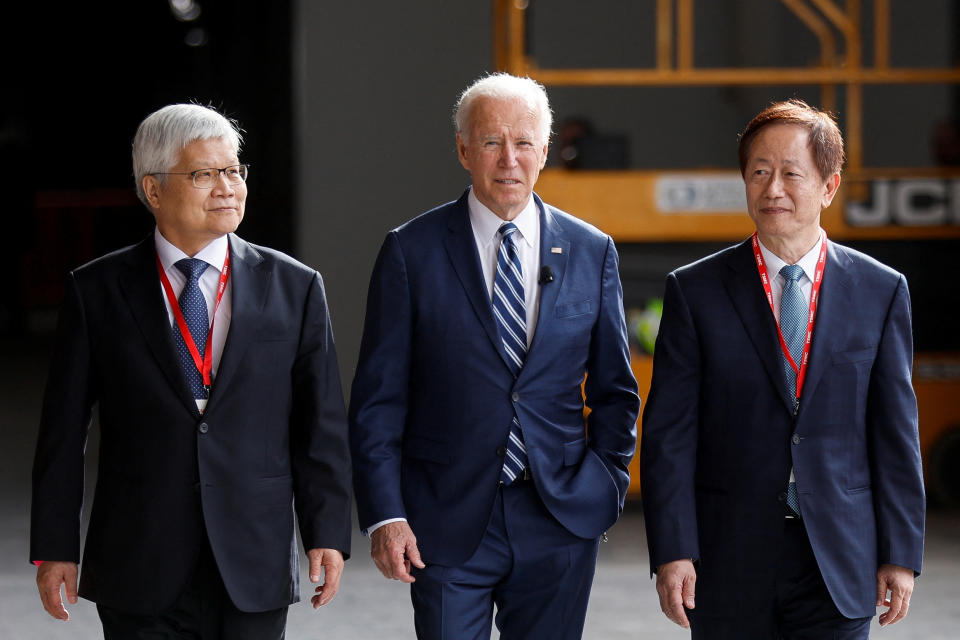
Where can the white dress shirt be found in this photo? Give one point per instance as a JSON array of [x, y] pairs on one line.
[[774, 263], [486, 226], [213, 254]]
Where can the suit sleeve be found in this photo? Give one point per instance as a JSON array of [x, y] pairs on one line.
[[894, 445], [670, 428], [58, 474], [610, 388], [319, 450], [378, 399]]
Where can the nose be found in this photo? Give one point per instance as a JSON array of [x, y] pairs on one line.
[[508, 156], [222, 186], [774, 188]]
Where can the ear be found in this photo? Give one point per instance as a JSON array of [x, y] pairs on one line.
[[543, 154], [830, 189], [462, 153], [151, 189]]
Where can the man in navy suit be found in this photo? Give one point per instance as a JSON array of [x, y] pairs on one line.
[[780, 460], [476, 474], [212, 363]]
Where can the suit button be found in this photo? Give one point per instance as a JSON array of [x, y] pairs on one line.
[[501, 451], [795, 439], [515, 396], [782, 497], [203, 428]]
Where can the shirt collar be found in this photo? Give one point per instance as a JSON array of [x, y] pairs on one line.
[[486, 223], [808, 262], [213, 254]]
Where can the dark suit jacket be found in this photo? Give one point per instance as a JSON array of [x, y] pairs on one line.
[[719, 435], [273, 436], [433, 397]]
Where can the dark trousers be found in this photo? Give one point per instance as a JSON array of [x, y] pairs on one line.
[[536, 573], [800, 607], [203, 611]]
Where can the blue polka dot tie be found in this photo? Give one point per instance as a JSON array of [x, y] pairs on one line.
[[511, 314], [194, 308], [793, 327]]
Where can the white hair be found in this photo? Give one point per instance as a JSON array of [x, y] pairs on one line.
[[503, 86], [164, 133]]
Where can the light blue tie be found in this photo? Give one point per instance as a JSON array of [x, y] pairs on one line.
[[194, 308], [793, 327], [511, 314], [793, 320]]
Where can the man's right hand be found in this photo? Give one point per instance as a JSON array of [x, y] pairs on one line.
[[394, 548], [676, 583], [50, 576]]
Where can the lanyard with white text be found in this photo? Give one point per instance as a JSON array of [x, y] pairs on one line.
[[204, 366], [801, 371]]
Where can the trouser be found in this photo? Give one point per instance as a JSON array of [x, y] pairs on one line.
[[203, 611], [536, 573]]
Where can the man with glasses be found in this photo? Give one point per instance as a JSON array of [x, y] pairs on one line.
[[220, 409]]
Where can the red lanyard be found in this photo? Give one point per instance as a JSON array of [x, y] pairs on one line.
[[801, 371], [204, 366]]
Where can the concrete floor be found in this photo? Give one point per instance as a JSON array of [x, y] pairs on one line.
[[623, 604]]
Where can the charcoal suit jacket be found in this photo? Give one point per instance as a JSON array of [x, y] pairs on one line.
[[272, 441]]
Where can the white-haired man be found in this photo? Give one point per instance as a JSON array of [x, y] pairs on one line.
[[213, 366], [476, 475]]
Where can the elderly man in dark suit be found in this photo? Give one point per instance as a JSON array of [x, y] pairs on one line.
[[780, 459], [213, 366], [473, 461]]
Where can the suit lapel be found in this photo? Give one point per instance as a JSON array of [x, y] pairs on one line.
[[551, 238], [140, 283], [745, 289], [462, 250], [249, 285], [838, 282]]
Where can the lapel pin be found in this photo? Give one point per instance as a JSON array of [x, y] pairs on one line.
[[556, 250]]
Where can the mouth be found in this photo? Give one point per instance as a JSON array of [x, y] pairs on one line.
[[773, 211], [507, 181]]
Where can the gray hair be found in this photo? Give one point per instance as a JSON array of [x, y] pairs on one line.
[[164, 133], [503, 86]]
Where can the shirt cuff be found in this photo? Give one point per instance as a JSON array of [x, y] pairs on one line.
[[369, 530]]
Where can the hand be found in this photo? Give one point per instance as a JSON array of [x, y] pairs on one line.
[[50, 575], [899, 582], [676, 583], [394, 548], [330, 562]]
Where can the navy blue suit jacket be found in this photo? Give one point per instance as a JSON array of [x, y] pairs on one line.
[[720, 437], [273, 437], [433, 397]]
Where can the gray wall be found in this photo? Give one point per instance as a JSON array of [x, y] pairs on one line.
[[376, 82]]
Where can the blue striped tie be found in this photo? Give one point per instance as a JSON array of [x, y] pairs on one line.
[[793, 327], [194, 308], [511, 314]]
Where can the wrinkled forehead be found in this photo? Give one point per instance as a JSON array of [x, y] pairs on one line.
[[493, 114]]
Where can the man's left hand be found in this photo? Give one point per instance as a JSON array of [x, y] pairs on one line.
[[899, 582], [329, 562]]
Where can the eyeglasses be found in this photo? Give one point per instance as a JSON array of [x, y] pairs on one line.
[[207, 178]]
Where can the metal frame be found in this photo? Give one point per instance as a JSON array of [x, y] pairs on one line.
[[675, 67]]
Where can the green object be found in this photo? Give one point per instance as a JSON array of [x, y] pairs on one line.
[[644, 324]]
